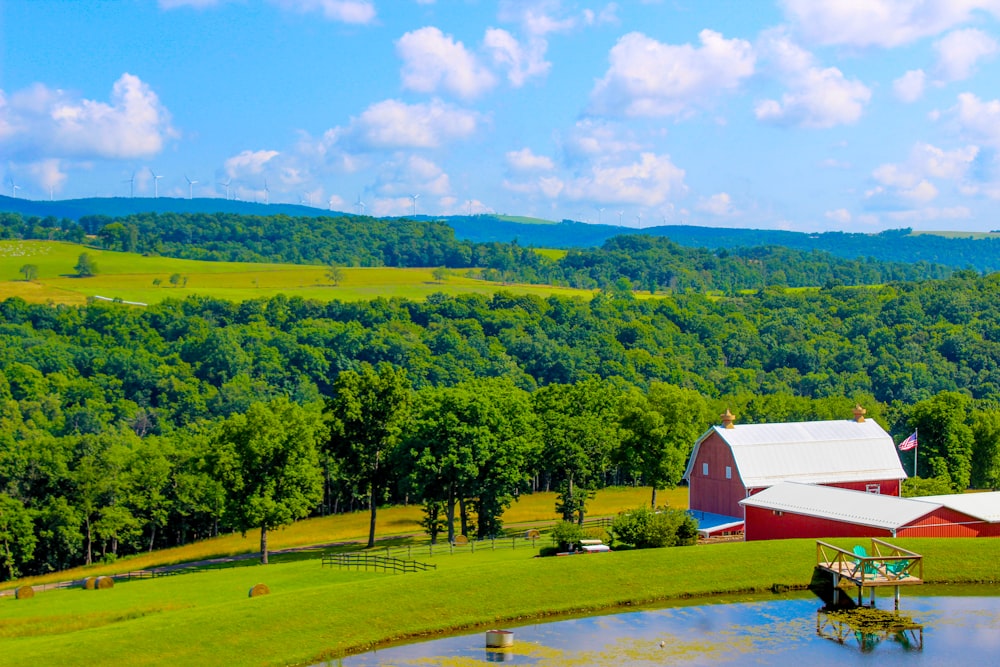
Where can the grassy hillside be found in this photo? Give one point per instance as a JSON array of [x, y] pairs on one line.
[[131, 277], [315, 613]]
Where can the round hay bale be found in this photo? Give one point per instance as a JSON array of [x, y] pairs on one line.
[[258, 590], [89, 583], [24, 592], [532, 535], [461, 540], [104, 582]]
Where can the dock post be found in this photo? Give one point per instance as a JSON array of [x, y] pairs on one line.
[[861, 594], [897, 598], [836, 589], [871, 596]]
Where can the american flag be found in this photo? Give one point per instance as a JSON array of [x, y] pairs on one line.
[[909, 443]]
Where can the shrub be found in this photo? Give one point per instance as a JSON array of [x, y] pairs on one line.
[[567, 534], [643, 528], [258, 590], [24, 592]]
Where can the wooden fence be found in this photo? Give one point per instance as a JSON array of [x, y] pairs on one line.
[[371, 561]]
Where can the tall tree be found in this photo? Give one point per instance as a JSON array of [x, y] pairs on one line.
[[366, 417], [85, 266], [945, 438], [17, 535], [268, 464]]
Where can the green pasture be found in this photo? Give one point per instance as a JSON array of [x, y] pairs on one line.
[[525, 220], [316, 613], [131, 277], [555, 254], [956, 235]]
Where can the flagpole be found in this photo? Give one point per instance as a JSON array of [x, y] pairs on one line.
[[917, 435]]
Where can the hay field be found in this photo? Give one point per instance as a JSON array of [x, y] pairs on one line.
[[130, 277]]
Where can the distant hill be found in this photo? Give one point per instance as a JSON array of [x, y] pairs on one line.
[[902, 245]]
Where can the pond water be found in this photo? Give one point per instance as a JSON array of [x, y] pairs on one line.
[[936, 630]]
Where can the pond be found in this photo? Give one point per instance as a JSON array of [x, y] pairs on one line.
[[957, 628]]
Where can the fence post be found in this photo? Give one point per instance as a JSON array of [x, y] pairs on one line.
[[473, 543]]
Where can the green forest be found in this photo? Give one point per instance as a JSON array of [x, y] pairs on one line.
[[124, 429]]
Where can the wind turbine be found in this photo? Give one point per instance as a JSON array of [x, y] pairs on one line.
[[131, 186], [156, 183], [621, 214], [190, 186], [639, 217], [226, 185], [600, 209], [414, 198], [360, 204], [14, 187], [267, 192]]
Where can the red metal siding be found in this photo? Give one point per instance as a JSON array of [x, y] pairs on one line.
[[946, 523], [764, 524], [887, 487], [713, 492]]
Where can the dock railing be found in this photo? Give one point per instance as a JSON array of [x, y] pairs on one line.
[[887, 564]]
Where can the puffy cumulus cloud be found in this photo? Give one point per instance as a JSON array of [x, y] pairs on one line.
[[433, 61], [345, 11], [959, 51], [817, 97], [650, 78], [594, 138], [522, 62], [538, 17], [910, 181], [910, 87], [394, 124], [718, 204], [248, 163], [526, 160], [47, 175], [407, 175], [978, 118], [841, 216], [650, 181], [39, 122], [881, 23]]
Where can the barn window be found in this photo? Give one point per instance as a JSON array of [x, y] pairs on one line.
[[873, 488], [777, 513], [729, 472], [704, 469]]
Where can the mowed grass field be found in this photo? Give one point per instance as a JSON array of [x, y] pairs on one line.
[[315, 613], [130, 277]]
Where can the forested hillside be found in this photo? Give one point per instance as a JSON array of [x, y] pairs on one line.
[[646, 263], [110, 416]]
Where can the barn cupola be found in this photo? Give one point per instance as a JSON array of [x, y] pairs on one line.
[[859, 414], [727, 419]]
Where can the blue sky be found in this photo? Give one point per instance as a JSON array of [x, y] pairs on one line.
[[854, 115]]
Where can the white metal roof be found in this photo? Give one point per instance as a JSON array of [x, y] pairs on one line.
[[985, 506], [819, 452], [828, 502]]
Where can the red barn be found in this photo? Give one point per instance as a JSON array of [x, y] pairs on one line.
[[789, 510], [733, 462]]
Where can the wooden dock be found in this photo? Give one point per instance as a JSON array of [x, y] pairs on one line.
[[884, 565]]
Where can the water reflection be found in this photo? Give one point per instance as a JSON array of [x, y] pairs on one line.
[[790, 631]]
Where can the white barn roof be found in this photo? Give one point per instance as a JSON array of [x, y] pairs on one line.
[[819, 452], [984, 506], [828, 502]]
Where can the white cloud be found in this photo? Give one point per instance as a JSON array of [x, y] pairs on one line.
[[434, 61], [959, 51], [650, 78], [841, 216], [248, 162], [407, 175], [650, 181], [39, 122], [882, 23], [346, 11], [537, 17], [718, 204], [910, 181], [526, 160], [818, 97], [521, 62], [393, 124], [978, 118], [597, 139], [910, 87]]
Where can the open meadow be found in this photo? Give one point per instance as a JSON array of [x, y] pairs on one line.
[[130, 277]]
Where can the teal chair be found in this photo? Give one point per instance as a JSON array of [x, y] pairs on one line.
[[861, 552]]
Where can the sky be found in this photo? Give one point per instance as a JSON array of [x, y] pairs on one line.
[[806, 115]]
